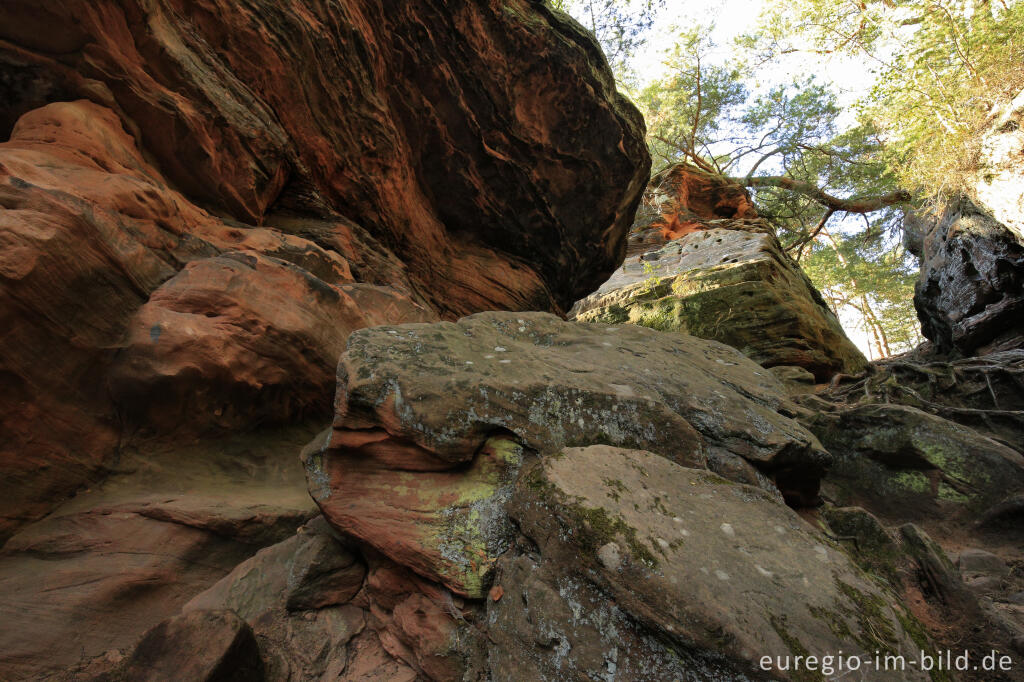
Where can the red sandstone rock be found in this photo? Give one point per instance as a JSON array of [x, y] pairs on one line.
[[239, 338], [682, 199], [484, 144], [433, 422], [116, 560], [206, 646], [199, 201], [99, 323]]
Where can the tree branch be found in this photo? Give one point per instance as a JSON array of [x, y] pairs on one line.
[[799, 244], [851, 205]]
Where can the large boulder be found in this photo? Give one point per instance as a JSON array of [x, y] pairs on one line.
[[968, 296], [701, 262], [732, 285], [432, 420], [295, 597], [908, 465], [205, 646], [703, 579], [484, 143]]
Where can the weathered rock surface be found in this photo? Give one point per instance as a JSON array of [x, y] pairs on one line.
[[111, 563], [682, 199], [295, 597], [123, 305], [419, 461], [936, 443], [968, 296], [722, 275], [711, 576], [730, 285], [238, 339], [911, 465], [483, 143], [200, 202], [205, 646]]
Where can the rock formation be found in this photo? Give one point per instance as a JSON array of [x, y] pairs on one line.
[[702, 263], [216, 217], [969, 295], [198, 203]]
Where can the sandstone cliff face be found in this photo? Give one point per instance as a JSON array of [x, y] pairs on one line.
[[702, 263], [969, 295], [404, 118], [199, 202]]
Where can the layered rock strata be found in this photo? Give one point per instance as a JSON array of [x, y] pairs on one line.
[[484, 145], [432, 421], [702, 263], [467, 452]]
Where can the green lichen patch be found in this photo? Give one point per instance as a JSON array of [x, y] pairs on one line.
[[616, 488], [796, 648], [876, 631], [597, 528]]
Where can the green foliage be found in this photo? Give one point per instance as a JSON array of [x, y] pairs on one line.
[[713, 113], [690, 110], [869, 275], [651, 282], [941, 67]]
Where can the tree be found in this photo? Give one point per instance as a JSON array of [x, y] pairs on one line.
[[782, 143], [941, 67], [808, 177], [620, 26]]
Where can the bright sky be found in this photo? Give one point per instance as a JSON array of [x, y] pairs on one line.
[[733, 18]]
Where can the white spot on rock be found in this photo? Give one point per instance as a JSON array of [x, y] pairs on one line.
[[721, 575], [763, 571], [727, 529]]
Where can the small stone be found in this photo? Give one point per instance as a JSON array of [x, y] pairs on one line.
[[609, 556], [979, 562]]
